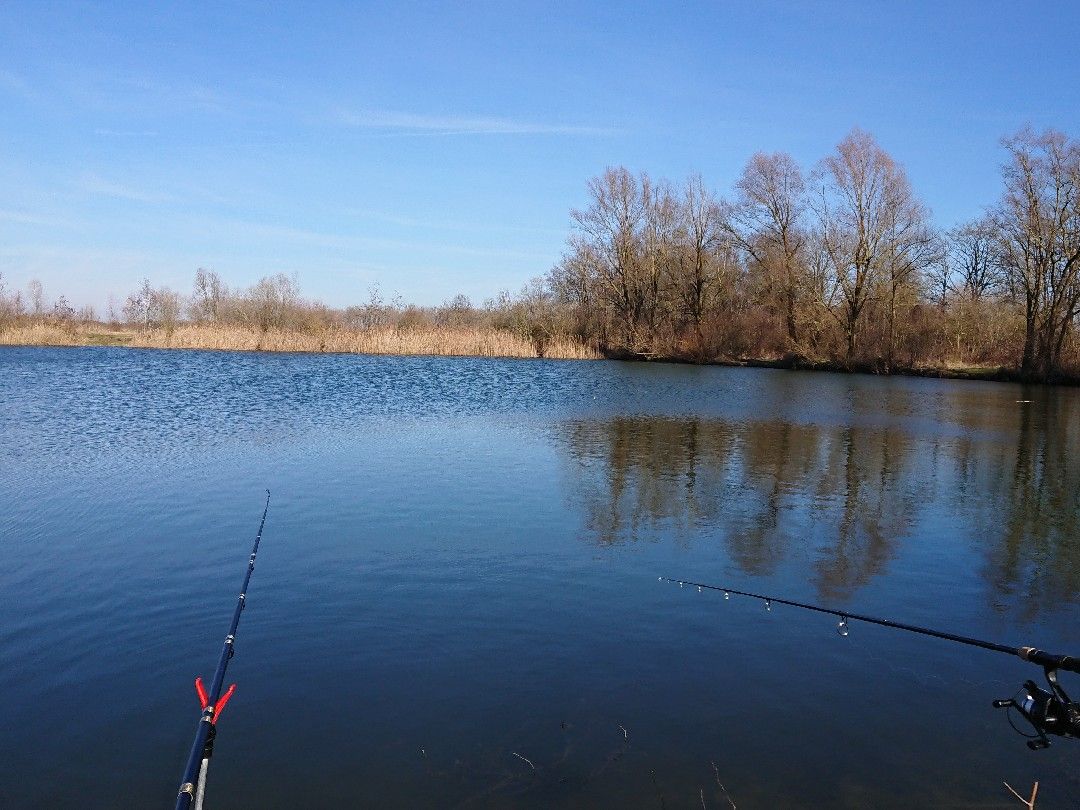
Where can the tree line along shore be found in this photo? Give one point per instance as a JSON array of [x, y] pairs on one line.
[[839, 267]]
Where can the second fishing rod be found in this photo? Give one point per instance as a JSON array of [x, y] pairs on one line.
[[1049, 712]]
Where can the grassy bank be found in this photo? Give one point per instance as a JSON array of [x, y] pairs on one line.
[[445, 341]]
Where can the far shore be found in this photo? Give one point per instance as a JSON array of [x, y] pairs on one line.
[[442, 342]]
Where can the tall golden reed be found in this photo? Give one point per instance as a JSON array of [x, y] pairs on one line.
[[463, 341]]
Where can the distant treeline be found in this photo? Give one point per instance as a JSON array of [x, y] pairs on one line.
[[272, 314], [838, 266]]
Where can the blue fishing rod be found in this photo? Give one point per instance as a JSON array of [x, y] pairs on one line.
[[1048, 712], [193, 782]]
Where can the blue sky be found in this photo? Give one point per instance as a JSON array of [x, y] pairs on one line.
[[438, 148]]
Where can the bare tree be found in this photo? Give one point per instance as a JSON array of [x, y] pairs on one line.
[[36, 293], [10, 304], [1039, 223], [376, 312], [703, 253], [151, 308], [169, 306], [207, 296], [111, 311], [941, 276], [454, 311], [140, 308], [768, 220], [274, 302], [658, 263], [607, 246], [911, 247], [535, 315], [874, 231], [571, 279], [63, 313], [974, 257]]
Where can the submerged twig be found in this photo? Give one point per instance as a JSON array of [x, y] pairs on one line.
[[716, 771], [1029, 803]]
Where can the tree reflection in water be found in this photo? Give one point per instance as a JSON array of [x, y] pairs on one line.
[[844, 498], [1034, 483]]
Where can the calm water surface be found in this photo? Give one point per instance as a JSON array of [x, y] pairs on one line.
[[460, 564]]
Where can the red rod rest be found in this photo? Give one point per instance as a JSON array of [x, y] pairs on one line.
[[204, 699], [222, 701]]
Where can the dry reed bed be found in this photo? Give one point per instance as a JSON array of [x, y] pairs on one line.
[[443, 341]]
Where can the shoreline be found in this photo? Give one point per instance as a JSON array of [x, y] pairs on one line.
[[455, 342], [973, 373]]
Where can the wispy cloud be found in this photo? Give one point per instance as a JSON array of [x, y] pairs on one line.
[[405, 123], [23, 218], [176, 95], [126, 133], [99, 186]]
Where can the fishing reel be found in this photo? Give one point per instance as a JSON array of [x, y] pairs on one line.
[[1048, 712]]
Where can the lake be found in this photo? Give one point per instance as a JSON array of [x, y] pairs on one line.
[[456, 602]]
